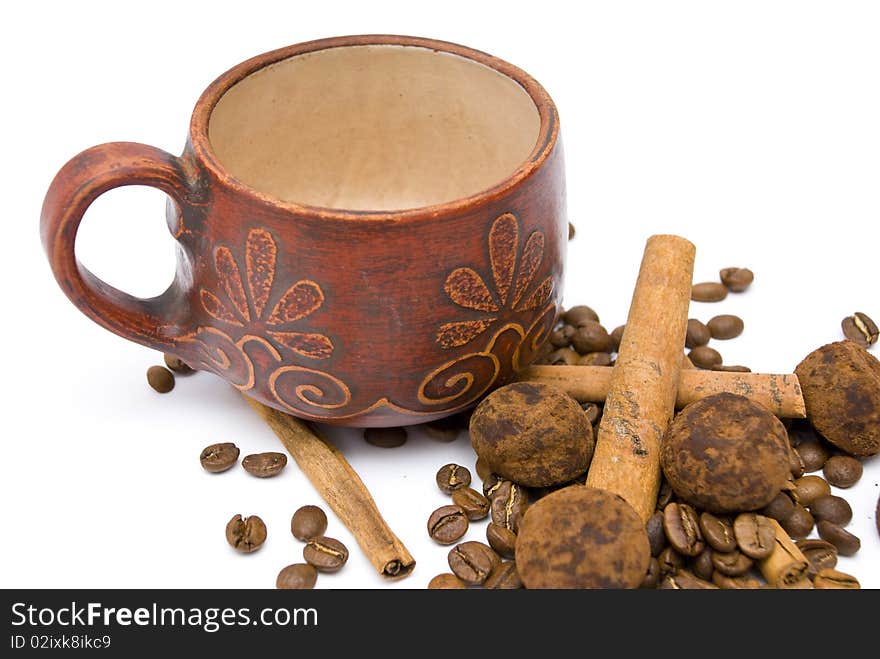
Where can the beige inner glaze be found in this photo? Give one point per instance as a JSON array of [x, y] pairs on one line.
[[374, 128]]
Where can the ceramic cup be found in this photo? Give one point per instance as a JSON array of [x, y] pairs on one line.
[[371, 229]]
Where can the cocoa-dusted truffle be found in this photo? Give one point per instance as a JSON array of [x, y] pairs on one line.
[[582, 537], [841, 386], [724, 453], [532, 433]]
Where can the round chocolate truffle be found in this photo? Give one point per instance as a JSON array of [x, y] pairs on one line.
[[841, 386], [532, 433], [582, 537], [724, 453]]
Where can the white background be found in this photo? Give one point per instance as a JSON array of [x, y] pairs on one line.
[[750, 128]]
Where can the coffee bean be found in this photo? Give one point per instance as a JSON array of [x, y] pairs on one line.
[[509, 503], [731, 564], [447, 524], [559, 338], [665, 495], [809, 488], [590, 336], [446, 429], [308, 522], [736, 279], [616, 337], [452, 477], [326, 554], [503, 577], [571, 231], [299, 576], [801, 431], [684, 580], [830, 579], [264, 465], [709, 291], [781, 507], [595, 359], [755, 535], [219, 457], [718, 532], [491, 484], [799, 523], [472, 562], [652, 575], [702, 564], [682, 528], [705, 357], [176, 364], [483, 469], [832, 508], [670, 560], [731, 368], [842, 471], [474, 504], [860, 329], [160, 379], [385, 437], [578, 314], [820, 554], [563, 357], [795, 464], [592, 411], [656, 534], [725, 326], [446, 581], [697, 334], [742, 582], [813, 455], [847, 544], [501, 539], [245, 534]]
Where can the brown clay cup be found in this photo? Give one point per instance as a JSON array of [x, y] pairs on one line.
[[371, 229]]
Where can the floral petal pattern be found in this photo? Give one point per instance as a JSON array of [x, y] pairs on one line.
[[452, 335], [230, 278], [503, 241], [532, 255], [260, 253], [538, 297], [467, 289], [301, 299], [316, 346], [216, 308]]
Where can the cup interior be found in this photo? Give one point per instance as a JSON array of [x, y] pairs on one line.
[[374, 128]]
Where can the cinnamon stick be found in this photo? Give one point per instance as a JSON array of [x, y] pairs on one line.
[[644, 381], [786, 566], [343, 490], [781, 393]]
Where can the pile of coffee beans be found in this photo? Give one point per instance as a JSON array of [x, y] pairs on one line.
[[474, 563]]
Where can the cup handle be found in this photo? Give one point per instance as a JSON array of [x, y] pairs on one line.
[[154, 322]]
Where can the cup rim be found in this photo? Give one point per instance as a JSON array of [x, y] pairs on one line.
[[548, 131]]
